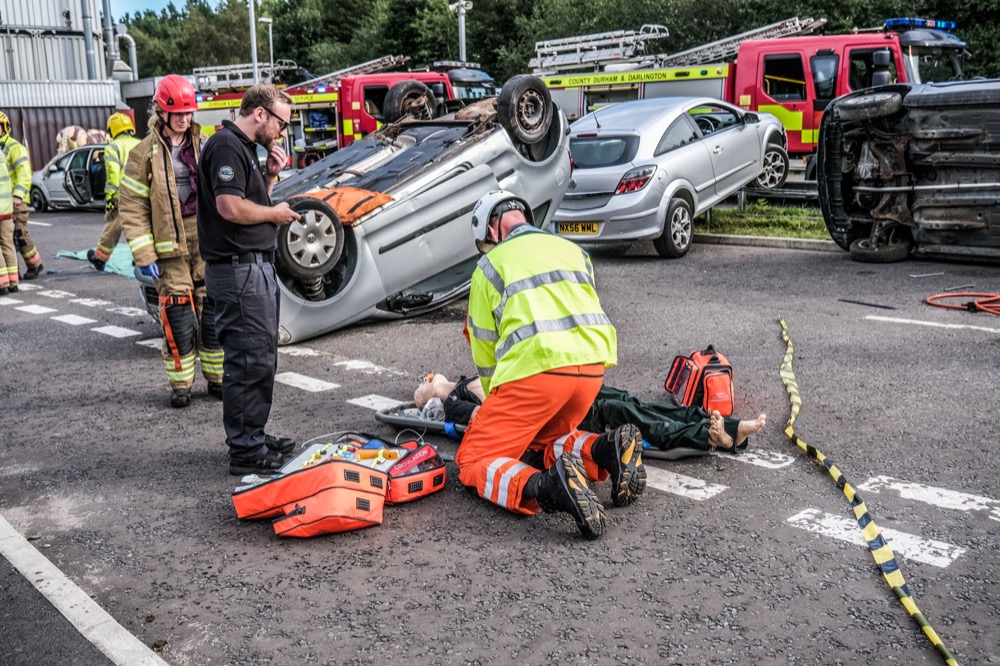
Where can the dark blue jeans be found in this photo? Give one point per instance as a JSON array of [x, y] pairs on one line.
[[245, 297]]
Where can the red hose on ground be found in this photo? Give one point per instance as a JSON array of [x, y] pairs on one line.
[[980, 302]]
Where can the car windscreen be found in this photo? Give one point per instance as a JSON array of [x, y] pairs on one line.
[[594, 152]]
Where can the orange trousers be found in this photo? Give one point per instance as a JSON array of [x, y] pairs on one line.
[[536, 413]]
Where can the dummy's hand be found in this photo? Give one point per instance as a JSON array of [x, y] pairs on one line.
[[151, 271], [276, 160], [283, 214]]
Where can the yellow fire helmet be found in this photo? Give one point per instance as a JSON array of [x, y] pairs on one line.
[[118, 123], [4, 124]]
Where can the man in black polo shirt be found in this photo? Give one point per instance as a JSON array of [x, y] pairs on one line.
[[237, 228]]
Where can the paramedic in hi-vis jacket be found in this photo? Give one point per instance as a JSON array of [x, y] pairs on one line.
[[541, 341], [158, 206], [122, 131], [19, 168]]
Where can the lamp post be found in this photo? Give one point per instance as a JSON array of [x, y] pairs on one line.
[[270, 44], [253, 42], [461, 7]]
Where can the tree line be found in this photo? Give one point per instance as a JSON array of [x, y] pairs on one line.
[[322, 36]]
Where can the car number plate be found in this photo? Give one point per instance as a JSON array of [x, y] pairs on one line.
[[578, 228]]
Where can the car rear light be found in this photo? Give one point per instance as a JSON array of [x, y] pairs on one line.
[[635, 180], [572, 164]]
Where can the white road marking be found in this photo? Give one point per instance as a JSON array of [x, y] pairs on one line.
[[6, 300], [939, 497], [92, 302], [364, 366], [678, 484], [128, 312], [766, 459], [910, 546], [55, 293], [152, 343], [919, 322], [40, 224], [30, 287], [36, 309], [298, 351], [375, 402], [74, 320], [116, 331], [303, 382]]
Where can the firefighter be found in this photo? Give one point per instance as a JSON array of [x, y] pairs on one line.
[[123, 140], [8, 254], [19, 166], [540, 341], [158, 206]]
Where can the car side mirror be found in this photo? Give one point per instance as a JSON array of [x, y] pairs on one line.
[[751, 118], [53, 168]]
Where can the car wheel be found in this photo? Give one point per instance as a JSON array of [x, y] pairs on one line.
[[409, 99], [678, 231], [872, 105], [38, 201], [892, 244], [311, 246], [525, 108], [776, 165]]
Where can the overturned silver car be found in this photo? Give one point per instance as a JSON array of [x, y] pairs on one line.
[[913, 167], [385, 228]]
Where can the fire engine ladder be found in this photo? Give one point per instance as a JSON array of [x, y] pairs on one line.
[[555, 56], [371, 67], [726, 48], [237, 77]]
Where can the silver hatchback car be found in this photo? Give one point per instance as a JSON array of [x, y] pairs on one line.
[[644, 170]]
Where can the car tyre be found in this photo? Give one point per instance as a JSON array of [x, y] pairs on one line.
[[38, 201], [776, 167], [525, 109], [678, 231], [893, 244], [869, 106], [311, 246], [409, 99]]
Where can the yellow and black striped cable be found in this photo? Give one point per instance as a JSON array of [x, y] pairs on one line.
[[880, 550]]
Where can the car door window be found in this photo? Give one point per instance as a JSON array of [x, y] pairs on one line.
[[80, 160], [862, 66], [784, 78], [680, 133], [824, 73], [711, 119], [63, 163]]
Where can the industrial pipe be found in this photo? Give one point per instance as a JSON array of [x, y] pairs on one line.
[[88, 40], [132, 62], [111, 54]]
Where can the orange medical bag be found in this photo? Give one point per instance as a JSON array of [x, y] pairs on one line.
[[703, 379], [418, 472]]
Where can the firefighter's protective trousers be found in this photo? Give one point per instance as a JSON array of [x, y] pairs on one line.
[[115, 158], [8, 255], [19, 168], [187, 316], [534, 415]]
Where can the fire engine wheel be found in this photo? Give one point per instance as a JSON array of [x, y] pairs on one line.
[[776, 165], [869, 106], [409, 99], [678, 231], [525, 108], [892, 244], [310, 247]]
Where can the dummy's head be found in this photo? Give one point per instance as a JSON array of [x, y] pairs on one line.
[[433, 386], [494, 215]]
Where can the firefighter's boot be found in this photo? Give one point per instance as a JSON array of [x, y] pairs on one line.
[[180, 398], [620, 453], [563, 487], [33, 272], [92, 258]]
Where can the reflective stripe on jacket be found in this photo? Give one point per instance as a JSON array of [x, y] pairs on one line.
[[6, 202], [18, 166], [115, 157], [148, 206], [533, 307]]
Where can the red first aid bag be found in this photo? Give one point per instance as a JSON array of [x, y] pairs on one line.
[[703, 379], [419, 471]]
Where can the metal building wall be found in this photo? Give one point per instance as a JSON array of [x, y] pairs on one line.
[[39, 43]]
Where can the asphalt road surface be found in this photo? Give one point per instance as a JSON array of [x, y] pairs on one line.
[[748, 559]]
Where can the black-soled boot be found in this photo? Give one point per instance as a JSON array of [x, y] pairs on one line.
[[563, 487], [92, 258], [620, 453], [180, 398]]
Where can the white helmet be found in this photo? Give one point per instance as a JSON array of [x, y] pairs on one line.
[[495, 203]]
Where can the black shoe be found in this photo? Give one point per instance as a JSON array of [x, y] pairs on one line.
[[4, 291], [279, 444], [215, 390], [265, 462], [14, 289], [180, 398], [92, 258], [33, 273], [620, 453], [564, 488]]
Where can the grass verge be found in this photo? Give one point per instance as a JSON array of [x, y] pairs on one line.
[[760, 218]]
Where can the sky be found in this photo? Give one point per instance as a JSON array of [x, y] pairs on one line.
[[121, 7]]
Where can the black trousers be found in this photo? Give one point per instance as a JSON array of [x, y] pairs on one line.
[[245, 298]]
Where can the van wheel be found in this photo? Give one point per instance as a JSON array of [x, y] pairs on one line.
[[678, 231], [776, 165], [409, 99], [891, 245], [311, 246], [869, 106], [525, 109]]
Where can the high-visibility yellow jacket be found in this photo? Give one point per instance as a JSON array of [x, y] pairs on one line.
[[533, 307], [6, 198], [19, 166], [148, 206], [115, 157]]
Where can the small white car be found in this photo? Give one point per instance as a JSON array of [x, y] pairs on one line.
[[74, 179]]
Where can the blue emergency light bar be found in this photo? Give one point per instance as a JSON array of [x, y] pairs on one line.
[[919, 23]]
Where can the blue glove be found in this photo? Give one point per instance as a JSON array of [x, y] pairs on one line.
[[152, 271]]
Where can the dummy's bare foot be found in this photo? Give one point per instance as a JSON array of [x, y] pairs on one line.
[[717, 436], [747, 428]]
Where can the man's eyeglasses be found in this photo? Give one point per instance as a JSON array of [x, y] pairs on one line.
[[282, 123]]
